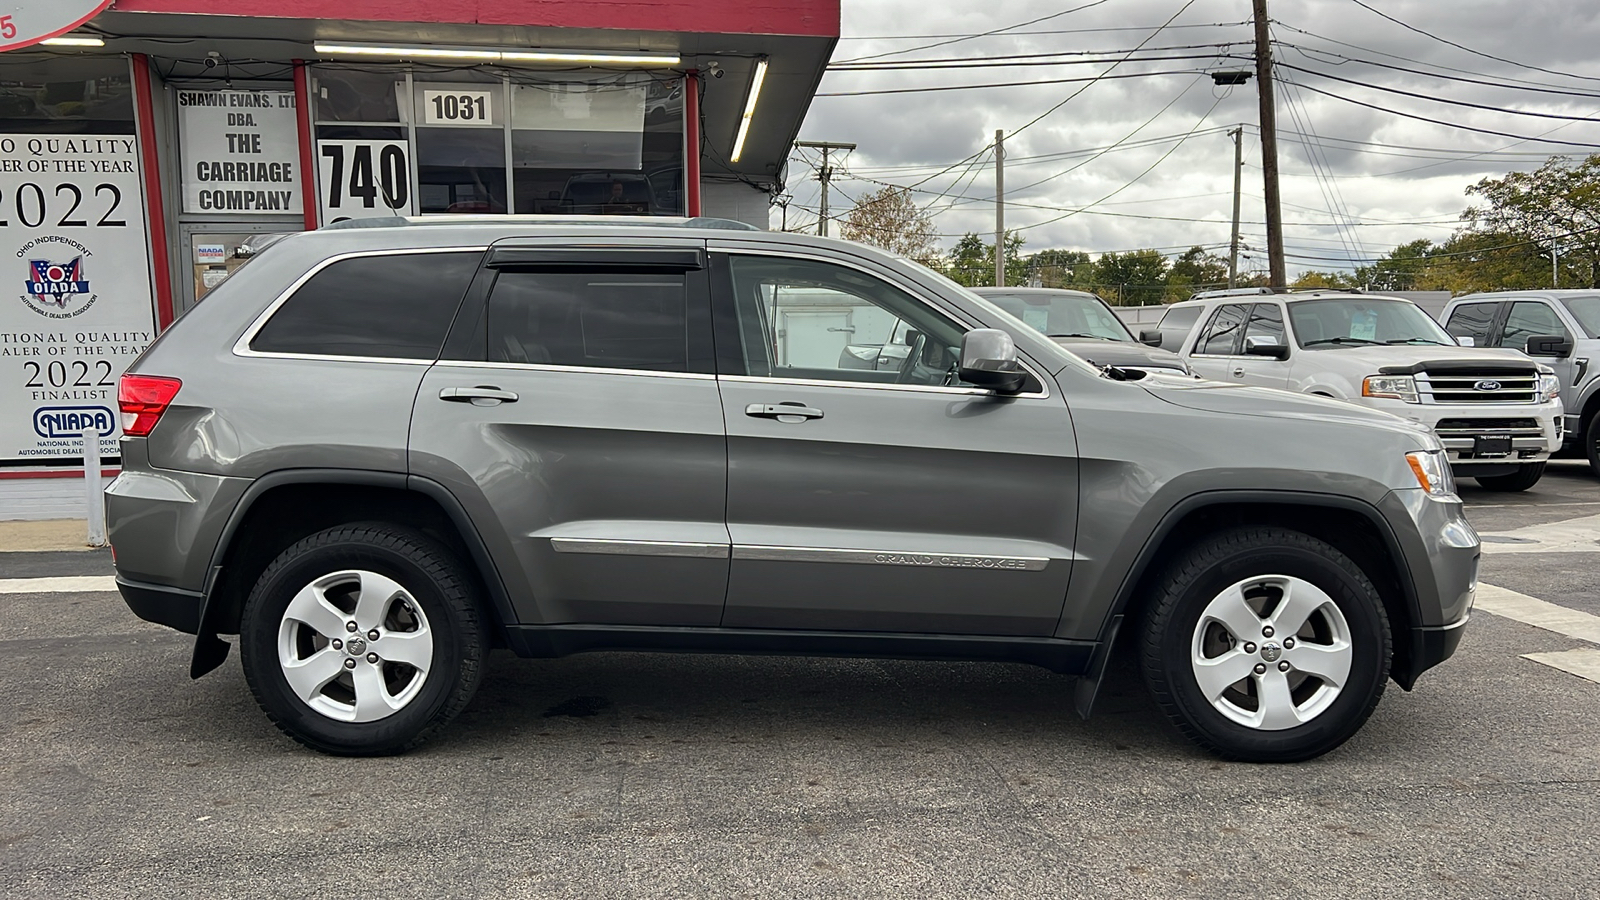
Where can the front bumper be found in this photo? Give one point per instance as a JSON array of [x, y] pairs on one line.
[[1535, 430], [1442, 552]]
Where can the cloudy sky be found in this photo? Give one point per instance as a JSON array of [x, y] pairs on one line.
[[1148, 159]]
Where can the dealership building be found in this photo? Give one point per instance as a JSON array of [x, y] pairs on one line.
[[146, 152]]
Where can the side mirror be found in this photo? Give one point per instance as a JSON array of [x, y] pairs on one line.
[[1265, 345], [1549, 345], [989, 359], [1465, 340], [1151, 338]]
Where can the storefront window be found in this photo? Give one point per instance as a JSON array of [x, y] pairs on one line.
[[66, 96], [498, 141]]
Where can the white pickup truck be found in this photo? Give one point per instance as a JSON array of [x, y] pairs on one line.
[[1498, 411]]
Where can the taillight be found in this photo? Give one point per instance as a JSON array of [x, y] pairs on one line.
[[142, 399]]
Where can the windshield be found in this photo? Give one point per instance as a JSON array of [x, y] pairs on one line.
[[1063, 315], [1355, 321], [1586, 309]]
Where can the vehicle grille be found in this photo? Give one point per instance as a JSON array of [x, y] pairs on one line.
[[1470, 427], [1468, 386]]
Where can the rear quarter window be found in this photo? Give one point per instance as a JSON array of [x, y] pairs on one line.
[[395, 306], [1176, 324]]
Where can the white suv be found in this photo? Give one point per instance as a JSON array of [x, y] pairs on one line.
[[1498, 412]]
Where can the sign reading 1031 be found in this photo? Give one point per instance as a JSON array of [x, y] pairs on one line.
[[363, 179]]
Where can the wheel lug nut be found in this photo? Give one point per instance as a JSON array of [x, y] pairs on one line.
[[373, 658], [1261, 669], [1288, 643], [1249, 647], [1283, 666], [350, 626], [1267, 631], [349, 664], [338, 644], [372, 635]]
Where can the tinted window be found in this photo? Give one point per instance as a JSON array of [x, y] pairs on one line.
[[1529, 318], [612, 320], [396, 306], [1175, 325], [1266, 320], [1473, 320], [1222, 333], [1586, 307]]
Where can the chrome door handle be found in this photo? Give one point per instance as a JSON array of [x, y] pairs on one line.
[[1238, 373], [481, 395], [783, 412]]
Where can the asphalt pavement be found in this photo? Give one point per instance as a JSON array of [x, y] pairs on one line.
[[644, 775]]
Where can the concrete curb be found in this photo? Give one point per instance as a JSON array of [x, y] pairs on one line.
[[49, 534]]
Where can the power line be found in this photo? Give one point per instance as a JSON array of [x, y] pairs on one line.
[[1436, 99], [969, 37], [1394, 112], [1053, 58], [1319, 55], [1002, 84], [1511, 62], [1009, 33]]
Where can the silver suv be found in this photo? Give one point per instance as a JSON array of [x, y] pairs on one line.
[[378, 451], [1560, 327]]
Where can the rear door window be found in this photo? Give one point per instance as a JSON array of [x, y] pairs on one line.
[[1473, 320], [595, 319], [1221, 337], [392, 306]]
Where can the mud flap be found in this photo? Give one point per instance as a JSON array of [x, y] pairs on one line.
[[1089, 683]]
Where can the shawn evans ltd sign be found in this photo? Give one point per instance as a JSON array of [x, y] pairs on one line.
[[240, 150]]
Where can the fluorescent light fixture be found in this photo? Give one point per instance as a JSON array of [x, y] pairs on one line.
[[73, 40], [749, 109], [490, 55]]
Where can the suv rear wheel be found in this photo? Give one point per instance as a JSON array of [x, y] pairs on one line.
[[1266, 645], [362, 640], [1591, 443], [1523, 478]]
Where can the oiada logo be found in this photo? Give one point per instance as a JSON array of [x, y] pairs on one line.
[[57, 290]]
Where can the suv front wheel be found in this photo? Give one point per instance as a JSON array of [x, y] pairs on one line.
[[362, 640], [1526, 476], [1266, 645]]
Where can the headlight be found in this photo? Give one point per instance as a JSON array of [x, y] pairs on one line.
[[1433, 472], [1549, 388], [1395, 387]]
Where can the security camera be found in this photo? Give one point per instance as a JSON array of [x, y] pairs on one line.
[[715, 69], [213, 59]]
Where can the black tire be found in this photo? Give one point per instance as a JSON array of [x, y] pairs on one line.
[[430, 576], [1591, 443], [1523, 478], [1208, 569]]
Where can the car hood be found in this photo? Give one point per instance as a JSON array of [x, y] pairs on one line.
[[1122, 353], [1402, 358], [1248, 400]]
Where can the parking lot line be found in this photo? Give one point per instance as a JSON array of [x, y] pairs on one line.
[[1539, 613], [60, 585], [1583, 662], [1581, 535]]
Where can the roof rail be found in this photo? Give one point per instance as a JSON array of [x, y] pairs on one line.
[[618, 221]]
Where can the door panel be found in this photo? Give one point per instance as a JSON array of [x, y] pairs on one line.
[[887, 501], [1266, 321], [591, 445], [1218, 343]]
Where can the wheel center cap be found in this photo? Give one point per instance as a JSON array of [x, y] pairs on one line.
[[1270, 652], [356, 647]]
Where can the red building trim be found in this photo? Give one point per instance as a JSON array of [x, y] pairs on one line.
[[819, 18], [303, 108], [691, 141], [58, 473], [150, 165]]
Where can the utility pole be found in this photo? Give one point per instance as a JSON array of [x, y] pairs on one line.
[[824, 175], [999, 208], [1233, 245], [1269, 146]]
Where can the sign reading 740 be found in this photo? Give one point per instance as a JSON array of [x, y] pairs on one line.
[[24, 23]]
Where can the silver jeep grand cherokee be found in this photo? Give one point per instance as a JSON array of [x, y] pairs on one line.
[[379, 451]]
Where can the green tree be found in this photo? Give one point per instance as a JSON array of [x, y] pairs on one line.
[[1557, 206], [1399, 269], [1195, 270], [1059, 269], [1135, 278], [1485, 261], [1313, 280], [971, 261], [890, 218]]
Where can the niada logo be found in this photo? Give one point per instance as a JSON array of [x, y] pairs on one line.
[[71, 421], [56, 290]]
